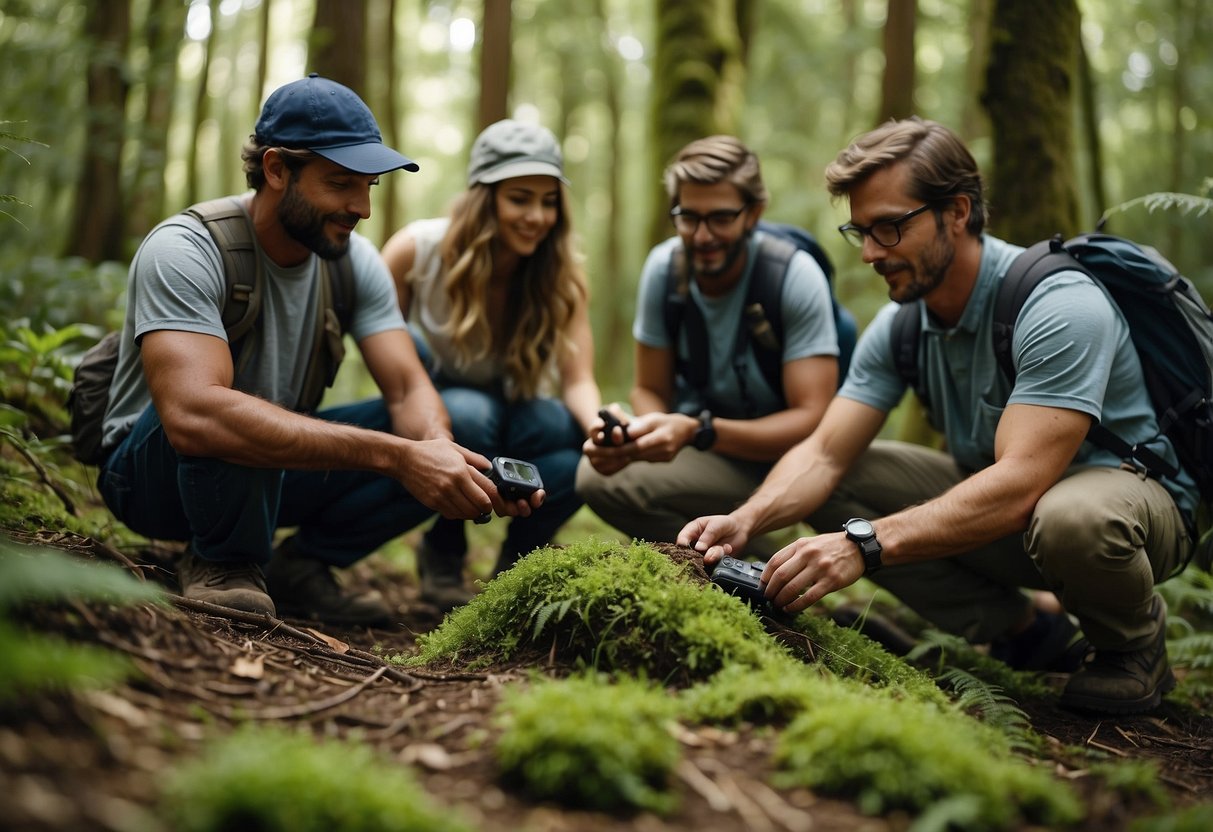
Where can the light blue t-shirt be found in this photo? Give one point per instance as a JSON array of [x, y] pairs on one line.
[[176, 282], [808, 329], [1071, 349]]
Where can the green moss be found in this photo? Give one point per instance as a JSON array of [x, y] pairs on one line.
[[273, 781], [590, 744], [609, 606], [899, 754], [772, 695], [1193, 819]]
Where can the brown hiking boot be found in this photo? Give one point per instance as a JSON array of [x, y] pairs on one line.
[[441, 578], [238, 585], [1124, 681], [306, 588], [1050, 643]]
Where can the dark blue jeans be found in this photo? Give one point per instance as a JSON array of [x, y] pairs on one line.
[[540, 431], [230, 512]]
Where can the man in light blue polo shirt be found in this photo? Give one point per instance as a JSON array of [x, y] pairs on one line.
[[1020, 501]]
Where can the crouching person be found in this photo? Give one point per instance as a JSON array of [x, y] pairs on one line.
[[209, 435]]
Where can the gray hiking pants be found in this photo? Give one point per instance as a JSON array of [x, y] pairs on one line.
[[1100, 539]]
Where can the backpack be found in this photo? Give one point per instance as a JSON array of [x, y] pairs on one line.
[[1171, 327], [233, 234], [763, 321]]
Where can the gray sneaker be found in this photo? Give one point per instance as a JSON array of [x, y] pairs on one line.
[[306, 588], [238, 585], [1124, 681]]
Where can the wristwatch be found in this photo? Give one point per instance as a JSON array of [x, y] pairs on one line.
[[864, 535], [705, 434]]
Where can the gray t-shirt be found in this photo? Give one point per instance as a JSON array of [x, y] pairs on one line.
[[176, 282], [1071, 349], [808, 328]]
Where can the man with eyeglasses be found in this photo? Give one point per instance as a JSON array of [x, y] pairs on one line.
[[207, 438], [690, 447], [1019, 504]]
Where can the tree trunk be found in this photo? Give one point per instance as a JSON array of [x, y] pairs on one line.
[[389, 123], [495, 63], [974, 123], [163, 34], [263, 52], [697, 81], [201, 110], [897, 88], [337, 45], [98, 214], [1030, 98]]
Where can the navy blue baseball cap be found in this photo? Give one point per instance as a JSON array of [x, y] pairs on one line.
[[330, 120]]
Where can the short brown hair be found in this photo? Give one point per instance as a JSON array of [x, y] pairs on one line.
[[254, 151], [716, 159], [939, 164]]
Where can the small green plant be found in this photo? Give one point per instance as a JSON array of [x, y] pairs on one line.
[[274, 781], [1193, 819], [590, 744], [772, 695], [35, 662], [5, 138], [899, 754], [1132, 778]]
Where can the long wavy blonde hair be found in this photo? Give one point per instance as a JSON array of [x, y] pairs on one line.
[[541, 301]]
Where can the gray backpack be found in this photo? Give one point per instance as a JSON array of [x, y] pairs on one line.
[[233, 234]]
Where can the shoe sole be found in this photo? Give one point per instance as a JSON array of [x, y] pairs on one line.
[[1122, 706]]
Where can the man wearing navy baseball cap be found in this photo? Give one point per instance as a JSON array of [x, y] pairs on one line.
[[234, 328]]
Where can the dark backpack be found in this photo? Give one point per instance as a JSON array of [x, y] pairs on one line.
[[1171, 327], [233, 234], [763, 319]]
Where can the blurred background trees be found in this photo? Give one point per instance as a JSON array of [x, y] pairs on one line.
[[1071, 107]]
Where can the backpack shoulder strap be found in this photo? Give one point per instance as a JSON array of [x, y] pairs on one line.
[[680, 311], [763, 308], [904, 338], [229, 226]]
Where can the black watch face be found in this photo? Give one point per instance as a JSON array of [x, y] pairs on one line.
[[860, 528]]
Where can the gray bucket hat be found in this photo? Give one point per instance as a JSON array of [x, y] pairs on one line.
[[510, 148]]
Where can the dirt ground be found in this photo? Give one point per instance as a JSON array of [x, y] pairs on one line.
[[90, 761]]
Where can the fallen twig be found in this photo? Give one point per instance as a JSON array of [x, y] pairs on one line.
[[294, 711]]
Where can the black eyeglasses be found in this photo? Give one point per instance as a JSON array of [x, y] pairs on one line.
[[719, 222], [886, 233]]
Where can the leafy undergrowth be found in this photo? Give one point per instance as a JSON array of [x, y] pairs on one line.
[[859, 724]]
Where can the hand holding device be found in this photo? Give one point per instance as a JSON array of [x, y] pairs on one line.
[[610, 422], [515, 480], [741, 578]]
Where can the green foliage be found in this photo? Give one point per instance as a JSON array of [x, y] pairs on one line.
[[1183, 203], [942, 651], [899, 754], [609, 606], [1193, 819], [273, 781], [5, 138], [771, 695], [1189, 598], [1132, 778], [53, 293], [590, 744], [987, 702], [850, 654], [35, 662]]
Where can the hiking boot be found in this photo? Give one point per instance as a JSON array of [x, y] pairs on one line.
[[441, 578], [1051, 643], [305, 587], [1124, 681], [239, 585]]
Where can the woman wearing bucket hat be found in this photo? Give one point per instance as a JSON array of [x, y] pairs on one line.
[[497, 300]]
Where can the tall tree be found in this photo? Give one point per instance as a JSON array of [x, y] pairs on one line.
[[163, 30], [495, 63], [897, 87], [697, 81], [337, 45], [98, 215], [974, 123], [388, 112], [1030, 97], [201, 107]]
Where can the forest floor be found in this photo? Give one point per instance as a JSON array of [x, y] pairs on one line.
[[91, 760]]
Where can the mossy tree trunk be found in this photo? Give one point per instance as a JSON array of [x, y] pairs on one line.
[[163, 30], [697, 81], [1030, 90], [98, 214]]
